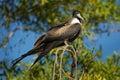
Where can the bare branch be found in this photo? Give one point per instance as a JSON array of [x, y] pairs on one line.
[[74, 64], [55, 62], [60, 70], [67, 74]]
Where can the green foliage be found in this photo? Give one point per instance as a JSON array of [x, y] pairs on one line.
[[88, 69], [40, 15]]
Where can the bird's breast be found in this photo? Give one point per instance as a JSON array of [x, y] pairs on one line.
[[75, 20]]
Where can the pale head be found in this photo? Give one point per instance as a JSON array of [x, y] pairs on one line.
[[76, 14]]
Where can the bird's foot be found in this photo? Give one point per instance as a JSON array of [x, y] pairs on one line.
[[66, 42]]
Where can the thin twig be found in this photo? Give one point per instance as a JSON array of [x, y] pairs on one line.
[[60, 70], [54, 65], [74, 68], [82, 76], [55, 62], [74, 63], [67, 74]]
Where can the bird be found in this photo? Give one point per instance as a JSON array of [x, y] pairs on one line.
[[60, 35]]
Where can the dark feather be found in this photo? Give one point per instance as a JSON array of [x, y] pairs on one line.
[[60, 25], [33, 51], [62, 33]]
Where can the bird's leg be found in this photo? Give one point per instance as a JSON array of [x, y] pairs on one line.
[[66, 42]]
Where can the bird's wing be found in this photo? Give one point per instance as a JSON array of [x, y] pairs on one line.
[[47, 48], [60, 25], [38, 58], [39, 40], [43, 37], [64, 32], [60, 32], [75, 36]]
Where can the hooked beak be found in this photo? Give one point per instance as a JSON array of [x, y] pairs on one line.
[[80, 17]]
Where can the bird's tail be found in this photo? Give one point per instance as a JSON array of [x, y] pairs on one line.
[[38, 58], [14, 62]]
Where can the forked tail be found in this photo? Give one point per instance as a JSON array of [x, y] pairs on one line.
[[14, 62]]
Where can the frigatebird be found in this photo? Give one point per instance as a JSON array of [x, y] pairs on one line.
[[59, 35]]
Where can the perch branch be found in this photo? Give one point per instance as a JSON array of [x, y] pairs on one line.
[[55, 62], [74, 64]]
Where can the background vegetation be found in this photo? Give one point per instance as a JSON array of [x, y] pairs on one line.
[[41, 15]]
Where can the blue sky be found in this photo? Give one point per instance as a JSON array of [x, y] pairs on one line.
[[109, 43]]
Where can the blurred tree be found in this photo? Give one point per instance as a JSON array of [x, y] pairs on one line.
[[39, 16]]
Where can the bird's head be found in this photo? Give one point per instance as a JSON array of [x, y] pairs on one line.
[[76, 14]]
